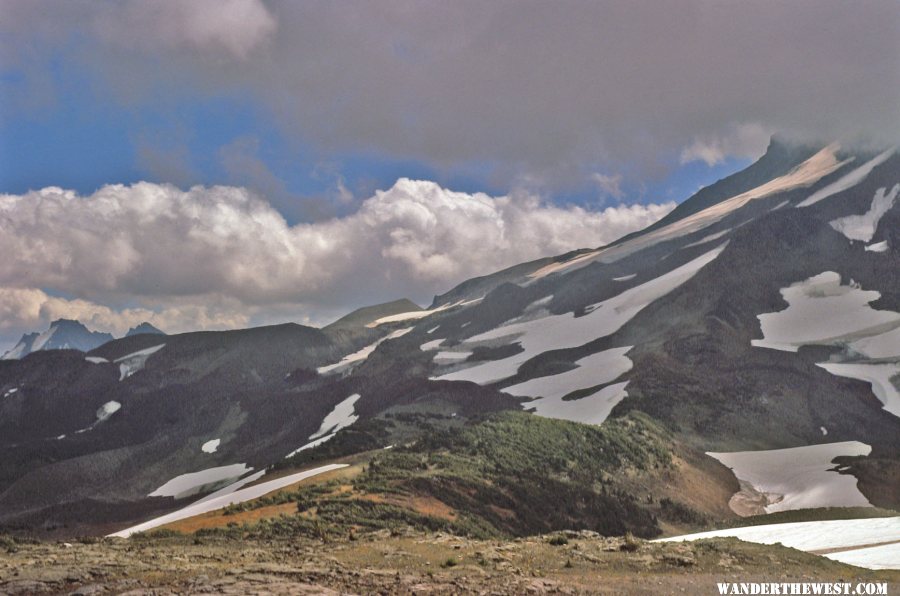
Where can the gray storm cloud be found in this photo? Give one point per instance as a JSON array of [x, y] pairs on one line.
[[217, 257], [547, 90]]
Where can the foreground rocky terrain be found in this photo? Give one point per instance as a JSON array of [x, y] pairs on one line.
[[406, 563]]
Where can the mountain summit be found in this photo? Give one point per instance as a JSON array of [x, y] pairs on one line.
[[63, 334], [144, 327]]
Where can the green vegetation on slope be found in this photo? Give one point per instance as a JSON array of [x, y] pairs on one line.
[[510, 474]]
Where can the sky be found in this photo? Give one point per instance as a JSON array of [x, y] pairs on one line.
[[223, 163]]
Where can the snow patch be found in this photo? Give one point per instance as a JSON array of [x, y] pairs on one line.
[[848, 181], [360, 355], [445, 357], [593, 409], [186, 485], [433, 329], [340, 417], [877, 246], [798, 477], [625, 277], [11, 391], [107, 410], [96, 359], [596, 369], [431, 345], [709, 238], [555, 332], [223, 499], [210, 446], [132, 363], [821, 311], [863, 227]]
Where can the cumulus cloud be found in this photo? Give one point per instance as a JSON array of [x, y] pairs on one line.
[[221, 256]]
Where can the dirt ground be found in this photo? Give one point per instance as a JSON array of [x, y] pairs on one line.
[[412, 563]]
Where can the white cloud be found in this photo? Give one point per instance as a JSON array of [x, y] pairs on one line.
[[235, 26], [27, 309], [221, 256]]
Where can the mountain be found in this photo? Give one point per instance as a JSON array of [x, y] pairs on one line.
[[144, 327], [739, 357], [63, 334]]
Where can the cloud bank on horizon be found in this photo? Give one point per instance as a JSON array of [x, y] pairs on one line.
[[574, 116], [223, 257]]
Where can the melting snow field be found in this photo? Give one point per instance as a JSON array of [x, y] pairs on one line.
[[822, 311], [850, 536], [360, 355], [555, 332], [863, 227], [342, 416], [799, 477], [131, 363], [195, 482], [220, 501]]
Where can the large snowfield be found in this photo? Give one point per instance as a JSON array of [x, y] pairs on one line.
[[856, 539], [799, 477], [554, 332]]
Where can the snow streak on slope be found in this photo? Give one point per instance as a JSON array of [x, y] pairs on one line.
[[132, 363], [862, 227], [848, 181], [214, 503], [709, 238], [555, 332], [806, 174], [342, 416], [195, 482], [878, 375], [855, 535], [796, 478], [821, 311], [360, 355]]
